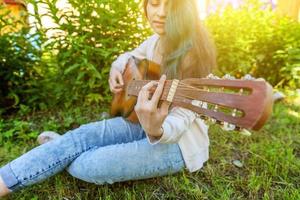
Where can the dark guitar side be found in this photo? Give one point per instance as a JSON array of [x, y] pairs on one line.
[[123, 104]]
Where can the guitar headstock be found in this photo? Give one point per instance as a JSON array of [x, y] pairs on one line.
[[245, 103], [234, 103]]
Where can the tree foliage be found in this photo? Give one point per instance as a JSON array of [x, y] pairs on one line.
[[257, 41], [68, 63]]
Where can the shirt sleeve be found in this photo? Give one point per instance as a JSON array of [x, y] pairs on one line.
[[140, 53], [175, 124]]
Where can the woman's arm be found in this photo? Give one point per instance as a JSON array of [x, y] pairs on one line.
[[118, 66], [159, 125], [177, 121], [149, 114]]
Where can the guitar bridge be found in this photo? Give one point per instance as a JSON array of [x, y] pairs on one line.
[[172, 90]]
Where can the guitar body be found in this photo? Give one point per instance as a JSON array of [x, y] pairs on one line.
[[123, 104]]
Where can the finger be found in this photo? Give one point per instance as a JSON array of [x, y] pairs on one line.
[[110, 85], [112, 81], [114, 89], [114, 84], [159, 89], [164, 108], [117, 90], [143, 96], [145, 91], [120, 78], [118, 86], [149, 85]]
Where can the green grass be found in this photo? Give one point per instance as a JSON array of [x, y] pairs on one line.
[[270, 161]]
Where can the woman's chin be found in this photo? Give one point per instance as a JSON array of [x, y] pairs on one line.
[[160, 32]]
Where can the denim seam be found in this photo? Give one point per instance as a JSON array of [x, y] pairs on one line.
[[106, 127], [81, 146], [28, 178], [18, 178], [13, 173], [57, 163]]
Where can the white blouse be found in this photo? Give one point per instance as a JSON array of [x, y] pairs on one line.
[[181, 125]]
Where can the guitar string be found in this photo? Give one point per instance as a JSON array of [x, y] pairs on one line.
[[180, 84], [184, 86], [181, 88], [189, 97]]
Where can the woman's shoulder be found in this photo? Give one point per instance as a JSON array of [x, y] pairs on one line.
[[154, 37], [146, 49]]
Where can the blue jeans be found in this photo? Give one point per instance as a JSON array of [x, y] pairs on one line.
[[101, 152]]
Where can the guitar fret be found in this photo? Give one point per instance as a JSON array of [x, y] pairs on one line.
[[172, 90]]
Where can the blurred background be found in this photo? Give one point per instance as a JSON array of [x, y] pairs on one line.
[[59, 52], [55, 57]]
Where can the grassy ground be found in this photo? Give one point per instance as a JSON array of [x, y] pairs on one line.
[[268, 162]]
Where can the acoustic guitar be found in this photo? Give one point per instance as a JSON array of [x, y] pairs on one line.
[[239, 102]]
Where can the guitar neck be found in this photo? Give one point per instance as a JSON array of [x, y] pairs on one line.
[[245, 103], [135, 86]]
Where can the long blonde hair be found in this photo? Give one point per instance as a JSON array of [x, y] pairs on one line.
[[188, 48]]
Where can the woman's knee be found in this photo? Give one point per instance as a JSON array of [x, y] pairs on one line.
[[116, 164], [85, 169], [95, 167]]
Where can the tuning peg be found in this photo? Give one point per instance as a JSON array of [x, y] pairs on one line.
[[228, 76], [211, 76], [233, 113], [237, 128], [197, 103], [203, 117], [245, 132], [216, 108], [212, 120], [248, 77], [228, 127], [220, 122]]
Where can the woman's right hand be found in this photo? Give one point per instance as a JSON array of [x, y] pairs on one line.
[[116, 82]]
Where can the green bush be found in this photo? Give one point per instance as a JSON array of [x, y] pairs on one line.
[[88, 38], [71, 66], [18, 58], [254, 41], [75, 61]]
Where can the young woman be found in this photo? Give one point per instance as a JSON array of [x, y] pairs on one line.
[[164, 142]]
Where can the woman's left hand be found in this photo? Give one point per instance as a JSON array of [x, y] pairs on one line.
[[150, 116]]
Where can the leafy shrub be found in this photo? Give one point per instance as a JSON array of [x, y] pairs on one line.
[[75, 55], [259, 42], [16, 130], [69, 63], [18, 56], [88, 38]]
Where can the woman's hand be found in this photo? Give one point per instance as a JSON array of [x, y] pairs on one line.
[[150, 116], [116, 82]]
